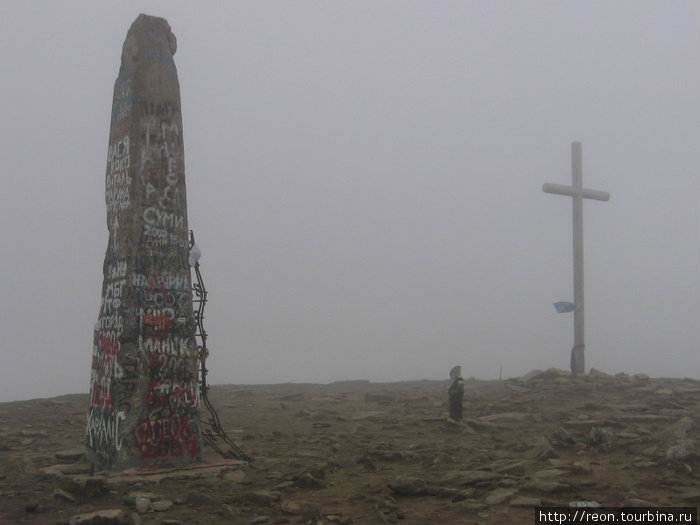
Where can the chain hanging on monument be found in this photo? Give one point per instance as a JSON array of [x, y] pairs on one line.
[[212, 431]]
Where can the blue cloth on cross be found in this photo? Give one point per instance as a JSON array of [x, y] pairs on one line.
[[564, 306]]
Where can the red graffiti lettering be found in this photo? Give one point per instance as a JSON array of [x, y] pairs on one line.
[[156, 324], [167, 436], [101, 396]]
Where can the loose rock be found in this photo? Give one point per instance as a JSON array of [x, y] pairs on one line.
[[197, 498], [161, 505], [684, 449], [73, 454], [142, 505], [63, 495], [498, 496], [102, 517], [408, 486]]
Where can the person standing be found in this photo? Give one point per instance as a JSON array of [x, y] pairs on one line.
[[456, 393]]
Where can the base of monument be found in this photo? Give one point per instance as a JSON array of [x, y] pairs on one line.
[[154, 474]]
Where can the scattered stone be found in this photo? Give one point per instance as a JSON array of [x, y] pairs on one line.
[[505, 416], [498, 496], [563, 438], [391, 455], [147, 495], [73, 454], [102, 517], [505, 466], [197, 498], [378, 398], [501, 480], [525, 501], [408, 486], [65, 496], [230, 512], [236, 476], [597, 374], [92, 486], [517, 389], [469, 477], [64, 469], [691, 494], [308, 481], [32, 506], [638, 502], [480, 424], [457, 427], [142, 505], [28, 465], [684, 449], [601, 439], [259, 520], [679, 429], [584, 503], [289, 507], [542, 451], [162, 505], [627, 438], [448, 492], [645, 418], [541, 485], [546, 375], [674, 412], [264, 498], [299, 396], [582, 467], [33, 434], [83, 487], [549, 473]]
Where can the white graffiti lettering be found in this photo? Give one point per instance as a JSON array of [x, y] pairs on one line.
[[172, 345], [103, 430], [157, 217]]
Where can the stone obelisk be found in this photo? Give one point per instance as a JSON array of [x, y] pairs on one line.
[[144, 379]]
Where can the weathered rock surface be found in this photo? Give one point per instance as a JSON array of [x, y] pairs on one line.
[[378, 461], [102, 517]]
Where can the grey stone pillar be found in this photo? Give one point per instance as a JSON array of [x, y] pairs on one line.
[[144, 379]]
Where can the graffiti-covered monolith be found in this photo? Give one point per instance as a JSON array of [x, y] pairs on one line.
[[144, 379]]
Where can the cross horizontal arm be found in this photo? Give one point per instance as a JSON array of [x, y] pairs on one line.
[[573, 191]]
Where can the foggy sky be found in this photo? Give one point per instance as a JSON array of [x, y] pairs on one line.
[[364, 179]]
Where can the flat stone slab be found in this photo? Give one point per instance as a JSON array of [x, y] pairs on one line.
[[102, 517], [73, 454], [63, 469], [191, 471]]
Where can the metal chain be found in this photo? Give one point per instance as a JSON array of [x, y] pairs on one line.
[[212, 431]]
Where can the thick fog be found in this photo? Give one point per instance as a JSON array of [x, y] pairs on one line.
[[365, 182]]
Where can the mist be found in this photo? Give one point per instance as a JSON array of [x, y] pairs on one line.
[[365, 182]]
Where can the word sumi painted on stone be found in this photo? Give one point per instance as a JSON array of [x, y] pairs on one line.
[[144, 374]]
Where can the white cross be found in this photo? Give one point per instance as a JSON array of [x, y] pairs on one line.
[[578, 193]]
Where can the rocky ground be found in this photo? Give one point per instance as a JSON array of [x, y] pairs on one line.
[[364, 453]]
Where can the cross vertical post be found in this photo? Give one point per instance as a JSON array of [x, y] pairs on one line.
[[578, 193]]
